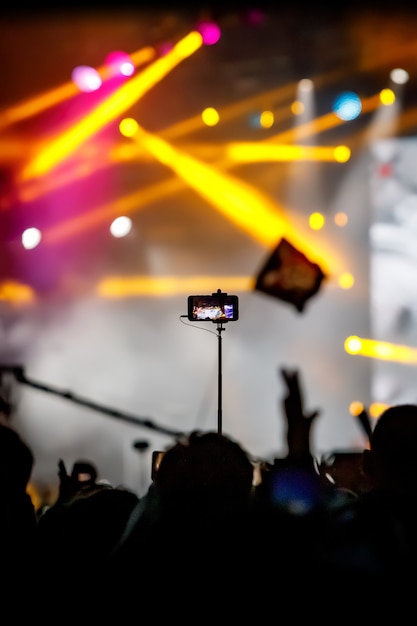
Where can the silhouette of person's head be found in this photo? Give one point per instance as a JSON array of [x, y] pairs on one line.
[[16, 461], [203, 470], [391, 461]]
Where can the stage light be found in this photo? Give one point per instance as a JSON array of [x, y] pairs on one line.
[[399, 76], [266, 119], [31, 237], [210, 116], [356, 408], [387, 97], [316, 221], [58, 149], [86, 78], [128, 127], [347, 106], [306, 85], [342, 154], [121, 226], [346, 280], [210, 32], [119, 64], [297, 108], [381, 350]]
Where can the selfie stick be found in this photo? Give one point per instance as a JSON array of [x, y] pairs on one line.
[[219, 377]]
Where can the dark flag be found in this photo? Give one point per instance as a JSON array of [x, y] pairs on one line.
[[289, 275]]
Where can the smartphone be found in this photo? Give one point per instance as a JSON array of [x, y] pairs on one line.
[[156, 459], [219, 307]]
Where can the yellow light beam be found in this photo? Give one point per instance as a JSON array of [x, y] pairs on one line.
[[381, 350], [250, 209], [259, 152], [57, 150], [136, 201], [59, 94]]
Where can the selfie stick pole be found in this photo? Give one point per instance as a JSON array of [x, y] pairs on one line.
[[219, 409]]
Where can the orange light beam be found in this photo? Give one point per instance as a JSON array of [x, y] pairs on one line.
[[57, 150], [123, 287], [40, 103]]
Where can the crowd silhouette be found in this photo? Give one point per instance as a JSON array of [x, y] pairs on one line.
[[209, 540]]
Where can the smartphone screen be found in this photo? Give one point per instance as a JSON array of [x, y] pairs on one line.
[[214, 308]]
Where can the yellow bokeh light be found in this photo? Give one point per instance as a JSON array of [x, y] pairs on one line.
[[316, 221], [387, 97], [356, 408], [297, 107], [342, 154], [353, 344], [346, 280], [128, 127], [266, 119], [210, 116], [376, 409]]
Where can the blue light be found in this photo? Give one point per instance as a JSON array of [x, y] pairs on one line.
[[347, 106]]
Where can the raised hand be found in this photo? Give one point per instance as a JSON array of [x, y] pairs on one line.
[[299, 421]]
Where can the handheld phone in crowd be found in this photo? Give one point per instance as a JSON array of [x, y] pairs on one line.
[[156, 459], [217, 307]]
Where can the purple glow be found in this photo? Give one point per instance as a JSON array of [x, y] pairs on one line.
[[210, 32], [255, 16], [119, 63]]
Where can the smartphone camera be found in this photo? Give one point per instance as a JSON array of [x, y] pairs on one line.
[[217, 307]]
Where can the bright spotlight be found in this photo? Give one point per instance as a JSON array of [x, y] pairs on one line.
[[399, 76], [121, 226], [31, 238], [347, 106], [86, 78]]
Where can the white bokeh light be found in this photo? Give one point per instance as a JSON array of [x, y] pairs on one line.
[[121, 226], [31, 237]]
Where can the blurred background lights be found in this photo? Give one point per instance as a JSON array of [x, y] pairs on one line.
[[128, 127], [356, 408], [342, 154], [210, 32], [316, 221], [86, 78], [387, 97], [340, 219], [346, 280], [210, 116], [353, 345], [297, 107], [376, 409], [255, 16], [399, 76], [347, 106], [31, 238], [121, 226], [306, 85], [266, 119], [119, 64]]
